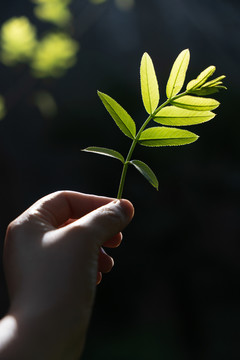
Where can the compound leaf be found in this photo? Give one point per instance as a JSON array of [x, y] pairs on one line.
[[201, 79], [175, 116], [178, 74], [145, 170], [149, 84], [164, 136], [119, 115], [196, 103], [105, 151]]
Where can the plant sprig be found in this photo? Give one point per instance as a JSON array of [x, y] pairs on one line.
[[189, 107]]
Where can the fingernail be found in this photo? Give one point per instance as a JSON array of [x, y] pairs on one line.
[[125, 206], [117, 201]]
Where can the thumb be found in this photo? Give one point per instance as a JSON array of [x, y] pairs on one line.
[[106, 221]]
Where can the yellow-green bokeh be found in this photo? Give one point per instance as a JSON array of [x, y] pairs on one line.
[[2, 108], [96, 2], [18, 40], [54, 11], [125, 5], [45, 103], [55, 53]]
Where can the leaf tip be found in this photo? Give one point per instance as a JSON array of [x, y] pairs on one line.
[[145, 54], [145, 57], [186, 52]]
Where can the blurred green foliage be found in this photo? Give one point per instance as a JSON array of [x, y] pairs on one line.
[[121, 4], [96, 2], [55, 53], [50, 55], [54, 11], [18, 41], [125, 4], [2, 107], [45, 103]]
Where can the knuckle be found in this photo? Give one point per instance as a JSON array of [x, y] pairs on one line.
[[17, 227], [12, 228]]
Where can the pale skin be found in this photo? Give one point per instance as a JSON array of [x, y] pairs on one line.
[[53, 259]]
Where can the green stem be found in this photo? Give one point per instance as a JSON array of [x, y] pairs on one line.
[[135, 140]]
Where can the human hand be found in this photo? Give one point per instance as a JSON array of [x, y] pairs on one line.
[[52, 258]]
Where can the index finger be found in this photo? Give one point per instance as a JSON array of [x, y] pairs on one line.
[[60, 206]]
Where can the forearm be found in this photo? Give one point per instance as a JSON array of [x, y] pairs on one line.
[[37, 339]]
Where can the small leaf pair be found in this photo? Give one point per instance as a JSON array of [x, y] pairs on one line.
[[200, 87], [143, 168], [189, 107]]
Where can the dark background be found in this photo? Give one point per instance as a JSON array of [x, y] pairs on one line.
[[174, 290]]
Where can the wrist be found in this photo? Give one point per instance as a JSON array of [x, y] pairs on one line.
[[28, 335]]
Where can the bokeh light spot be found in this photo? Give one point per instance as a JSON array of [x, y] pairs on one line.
[[18, 40], [54, 55]]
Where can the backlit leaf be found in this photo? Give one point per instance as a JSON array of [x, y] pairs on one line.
[[200, 80], [175, 116], [196, 103], [145, 170], [216, 84], [105, 151], [214, 81], [149, 84], [164, 136], [178, 74], [119, 115], [204, 91]]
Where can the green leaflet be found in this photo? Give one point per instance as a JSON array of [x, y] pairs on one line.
[[119, 115], [164, 136], [175, 116], [204, 91], [178, 74], [105, 151], [209, 87], [145, 170], [195, 103], [202, 77], [215, 82], [149, 84]]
